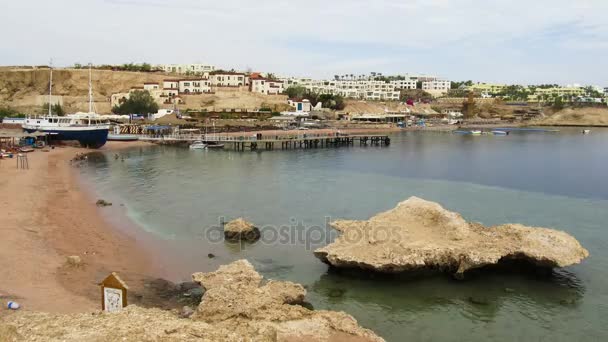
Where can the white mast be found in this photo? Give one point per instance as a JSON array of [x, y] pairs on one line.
[[90, 91], [50, 86]]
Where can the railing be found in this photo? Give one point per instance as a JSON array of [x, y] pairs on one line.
[[241, 138]]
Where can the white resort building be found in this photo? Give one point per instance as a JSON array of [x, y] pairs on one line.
[[266, 86], [194, 86], [193, 69], [371, 87]]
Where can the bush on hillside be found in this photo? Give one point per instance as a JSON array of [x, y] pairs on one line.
[[7, 112], [139, 102], [56, 109]]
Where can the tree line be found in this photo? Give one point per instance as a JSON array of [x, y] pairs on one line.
[[335, 102], [143, 67]]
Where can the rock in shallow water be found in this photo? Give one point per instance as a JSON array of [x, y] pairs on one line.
[[419, 234], [241, 230]]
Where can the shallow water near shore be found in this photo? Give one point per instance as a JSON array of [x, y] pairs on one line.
[[540, 179]]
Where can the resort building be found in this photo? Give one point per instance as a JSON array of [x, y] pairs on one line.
[[266, 86], [171, 84], [194, 86], [488, 88], [151, 86], [360, 89], [436, 86], [229, 79], [372, 87], [560, 91], [404, 84], [191, 69]]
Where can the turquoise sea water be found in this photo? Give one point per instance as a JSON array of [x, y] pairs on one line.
[[540, 179]]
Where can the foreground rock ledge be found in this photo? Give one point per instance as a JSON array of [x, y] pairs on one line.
[[236, 306], [419, 234]]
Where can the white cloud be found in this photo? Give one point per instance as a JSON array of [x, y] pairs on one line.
[[483, 40]]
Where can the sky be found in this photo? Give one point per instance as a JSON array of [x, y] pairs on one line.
[[504, 41]]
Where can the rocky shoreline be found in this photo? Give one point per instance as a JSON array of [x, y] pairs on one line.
[[237, 304], [421, 235]]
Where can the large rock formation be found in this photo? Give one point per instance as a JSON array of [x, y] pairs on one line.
[[239, 229], [419, 234], [235, 293], [236, 306]]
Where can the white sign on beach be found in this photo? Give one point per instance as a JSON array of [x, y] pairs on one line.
[[112, 299]]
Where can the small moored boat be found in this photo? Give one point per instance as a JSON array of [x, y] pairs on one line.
[[500, 133], [476, 132], [215, 146], [198, 145], [586, 131]]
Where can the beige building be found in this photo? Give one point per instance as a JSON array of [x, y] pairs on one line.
[[488, 88], [229, 79], [560, 91], [437, 86]]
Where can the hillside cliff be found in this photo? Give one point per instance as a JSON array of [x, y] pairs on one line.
[[27, 90]]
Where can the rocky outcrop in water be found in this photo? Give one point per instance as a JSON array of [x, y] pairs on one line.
[[419, 235], [241, 230], [237, 305]]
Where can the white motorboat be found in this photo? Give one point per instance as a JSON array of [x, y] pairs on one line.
[[500, 132], [198, 145], [586, 131], [476, 132]]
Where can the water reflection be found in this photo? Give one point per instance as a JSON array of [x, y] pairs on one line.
[[480, 297]]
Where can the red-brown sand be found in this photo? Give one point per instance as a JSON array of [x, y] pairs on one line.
[[45, 217]]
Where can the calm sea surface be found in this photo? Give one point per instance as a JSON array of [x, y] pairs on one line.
[[555, 180]]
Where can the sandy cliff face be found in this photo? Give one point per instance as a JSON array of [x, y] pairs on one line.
[[237, 305], [578, 117], [419, 234], [27, 90]]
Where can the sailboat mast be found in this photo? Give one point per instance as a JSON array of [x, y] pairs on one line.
[[50, 86], [90, 91]]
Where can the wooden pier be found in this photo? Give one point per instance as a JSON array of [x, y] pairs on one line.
[[260, 142]]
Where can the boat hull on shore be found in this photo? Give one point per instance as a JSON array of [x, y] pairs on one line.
[[91, 137]]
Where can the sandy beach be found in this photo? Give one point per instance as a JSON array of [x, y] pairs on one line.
[[46, 217]]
